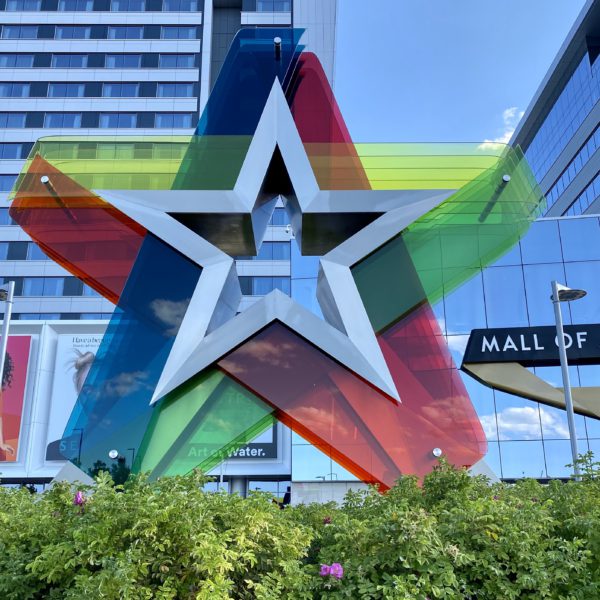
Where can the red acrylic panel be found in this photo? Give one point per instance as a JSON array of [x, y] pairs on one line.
[[366, 432], [432, 390], [77, 229], [322, 129]]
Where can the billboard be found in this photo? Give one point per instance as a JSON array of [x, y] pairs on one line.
[[12, 395], [75, 354]]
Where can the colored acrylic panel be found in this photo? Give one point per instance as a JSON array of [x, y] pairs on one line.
[[113, 409], [367, 433], [322, 129], [201, 424], [471, 229], [429, 166], [231, 115], [77, 229], [123, 163]]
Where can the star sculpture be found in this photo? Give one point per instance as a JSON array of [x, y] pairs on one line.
[[372, 382]]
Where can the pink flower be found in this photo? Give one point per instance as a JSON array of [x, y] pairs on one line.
[[325, 570], [79, 499], [336, 570]]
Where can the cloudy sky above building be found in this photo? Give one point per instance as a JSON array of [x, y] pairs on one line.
[[442, 70]]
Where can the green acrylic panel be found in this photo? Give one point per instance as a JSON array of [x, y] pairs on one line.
[[212, 162], [448, 245], [200, 424]]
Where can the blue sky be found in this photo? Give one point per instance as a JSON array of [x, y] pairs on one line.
[[444, 70]]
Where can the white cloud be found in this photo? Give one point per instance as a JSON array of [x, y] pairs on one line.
[[523, 423], [170, 313], [510, 119]]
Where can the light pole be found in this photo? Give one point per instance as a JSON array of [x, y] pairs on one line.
[[6, 296], [561, 293]]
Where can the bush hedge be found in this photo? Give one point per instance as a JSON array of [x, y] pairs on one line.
[[454, 536]]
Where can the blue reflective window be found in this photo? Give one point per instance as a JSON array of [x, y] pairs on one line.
[[14, 90], [10, 151], [558, 455], [123, 61], [69, 61], [512, 257], [273, 5], [62, 120], [280, 217], [465, 307], [579, 238], [575, 102], [576, 164], [23, 5], [120, 90], [126, 32], [173, 120], [304, 292], [118, 120], [13, 32], [178, 33], [73, 32], [176, 61], [7, 182], [522, 459], [66, 90], [505, 300], [538, 280], [584, 275], [12, 120], [16, 61], [34, 252], [541, 244], [517, 418], [175, 90], [75, 5], [587, 197], [127, 5], [180, 5]]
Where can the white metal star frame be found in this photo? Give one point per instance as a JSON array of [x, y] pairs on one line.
[[210, 328]]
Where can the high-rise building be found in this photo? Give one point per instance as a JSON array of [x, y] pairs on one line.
[[559, 132], [123, 67]]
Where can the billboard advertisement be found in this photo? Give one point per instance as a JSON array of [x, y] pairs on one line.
[[12, 395], [75, 354]]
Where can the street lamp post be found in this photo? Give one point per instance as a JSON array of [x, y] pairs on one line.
[[561, 293], [6, 295]]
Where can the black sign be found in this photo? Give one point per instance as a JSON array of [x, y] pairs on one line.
[[534, 346]]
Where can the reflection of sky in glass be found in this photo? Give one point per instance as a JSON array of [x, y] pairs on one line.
[[513, 292], [533, 437], [113, 409]]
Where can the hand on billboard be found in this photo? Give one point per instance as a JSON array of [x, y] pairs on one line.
[[8, 449]]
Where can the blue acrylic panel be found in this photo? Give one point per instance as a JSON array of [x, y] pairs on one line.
[[113, 408]]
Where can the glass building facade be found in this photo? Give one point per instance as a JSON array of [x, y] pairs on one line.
[[525, 438], [101, 67], [559, 132]]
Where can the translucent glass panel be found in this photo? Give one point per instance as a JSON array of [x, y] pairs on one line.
[[200, 424], [113, 409], [77, 229], [446, 247], [368, 434]]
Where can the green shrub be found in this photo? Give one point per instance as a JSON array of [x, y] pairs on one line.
[[453, 537]]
